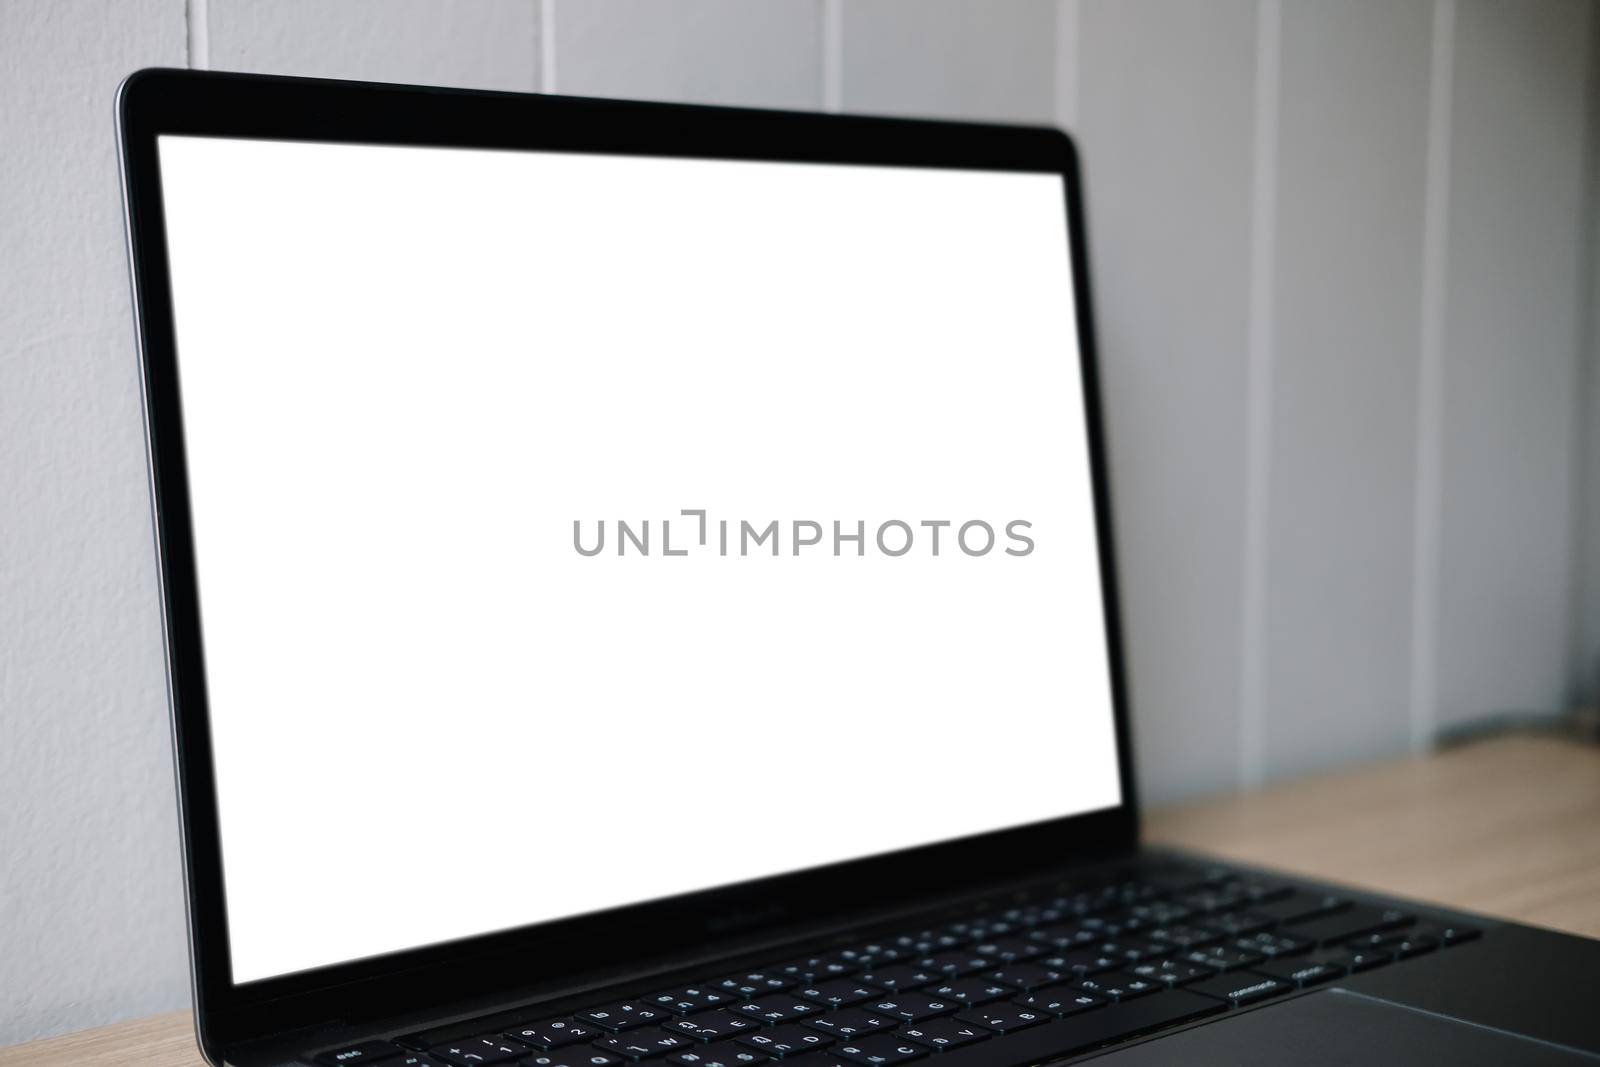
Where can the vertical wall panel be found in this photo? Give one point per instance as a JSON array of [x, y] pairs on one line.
[[1511, 340], [91, 909], [1584, 666], [1164, 99], [950, 58], [476, 44], [765, 54], [1352, 139]]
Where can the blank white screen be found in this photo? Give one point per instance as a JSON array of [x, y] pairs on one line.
[[406, 372]]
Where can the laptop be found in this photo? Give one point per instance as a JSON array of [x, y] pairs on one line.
[[639, 587]]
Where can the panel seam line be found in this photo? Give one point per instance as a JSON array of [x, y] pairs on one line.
[[1258, 399], [1427, 495]]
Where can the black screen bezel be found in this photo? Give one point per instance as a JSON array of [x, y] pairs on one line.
[[156, 102]]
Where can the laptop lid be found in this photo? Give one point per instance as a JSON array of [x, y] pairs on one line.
[[590, 529]]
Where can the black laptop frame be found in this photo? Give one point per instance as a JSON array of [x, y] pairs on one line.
[[156, 102]]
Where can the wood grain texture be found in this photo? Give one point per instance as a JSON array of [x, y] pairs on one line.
[[158, 1041], [1507, 828]]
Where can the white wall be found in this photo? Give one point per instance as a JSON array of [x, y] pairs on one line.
[[1338, 250], [90, 907], [1512, 368], [1344, 266]]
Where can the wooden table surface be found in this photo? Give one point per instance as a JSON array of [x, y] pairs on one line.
[[1508, 828]]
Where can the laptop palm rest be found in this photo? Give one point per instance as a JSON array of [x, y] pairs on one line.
[[1336, 1028]]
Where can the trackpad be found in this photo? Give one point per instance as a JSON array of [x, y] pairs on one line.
[[1335, 1028]]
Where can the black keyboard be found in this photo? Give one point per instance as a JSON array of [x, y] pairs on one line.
[[1067, 969]]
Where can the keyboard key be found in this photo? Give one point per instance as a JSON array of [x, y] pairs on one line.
[[1160, 913], [873, 954], [1060, 1001], [713, 1025], [929, 941], [1349, 961], [1009, 949], [1240, 923], [639, 1044], [1125, 952], [1004, 1018], [880, 1049], [624, 1015], [1184, 936], [814, 968], [754, 983], [1080, 963], [839, 992], [1034, 914], [1222, 898], [726, 1054], [1447, 934], [969, 991], [1171, 972], [1263, 891], [1274, 945], [914, 1007], [941, 1034], [900, 977], [1222, 957], [791, 1039], [1406, 946], [572, 1057], [1299, 906], [691, 999], [1109, 926], [1365, 959], [1301, 973], [1114, 985], [554, 1033], [1065, 935], [779, 1009], [476, 1051], [361, 1052], [1242, 987], [955, 963], [1351, 922], [985, 928], [1127, 924], [1134, 889], [1380, 942], [853, 1022], [1090, 902], [415, 1059], [1029, 975]]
